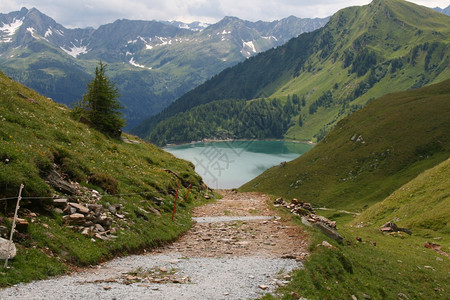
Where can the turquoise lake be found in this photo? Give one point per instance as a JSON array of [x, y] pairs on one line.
[[230, 164]]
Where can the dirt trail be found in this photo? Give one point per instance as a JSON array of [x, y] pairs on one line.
[[238, 249], [251, 229]]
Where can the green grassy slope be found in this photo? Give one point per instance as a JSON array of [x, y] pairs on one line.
[[386, 266], [371, 264], [369, 154], [37, 136], [423, 204]]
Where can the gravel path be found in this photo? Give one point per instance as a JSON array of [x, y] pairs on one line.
[[224, 258]]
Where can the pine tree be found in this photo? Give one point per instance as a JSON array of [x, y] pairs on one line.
[[100, 104]]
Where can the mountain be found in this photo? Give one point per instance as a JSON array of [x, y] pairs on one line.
[[444, 11], [130, 182], [362, 53], [153, 63], [369, 154]]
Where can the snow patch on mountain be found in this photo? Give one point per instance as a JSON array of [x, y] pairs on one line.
[[134, 63], [75, 50], [270, 38], [50, 31], [10, 30]]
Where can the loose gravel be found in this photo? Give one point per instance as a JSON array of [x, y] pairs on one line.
[[209, 278]]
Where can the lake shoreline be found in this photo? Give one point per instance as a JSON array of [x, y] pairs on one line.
[[311, 143]]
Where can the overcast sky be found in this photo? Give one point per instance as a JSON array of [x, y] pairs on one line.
[[84, 13]]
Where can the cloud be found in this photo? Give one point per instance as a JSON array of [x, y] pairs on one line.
[[83, 13]]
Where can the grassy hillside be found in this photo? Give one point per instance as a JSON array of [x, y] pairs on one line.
[[369, 154], [361, 54], [410, 184], [38, 139], [423, 204], [384, 266]]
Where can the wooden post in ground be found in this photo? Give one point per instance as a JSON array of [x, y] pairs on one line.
[[13, 225], [175, 203], [187, 194]]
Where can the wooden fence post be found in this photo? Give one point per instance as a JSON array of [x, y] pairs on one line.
[[175, 203], [13, 225]]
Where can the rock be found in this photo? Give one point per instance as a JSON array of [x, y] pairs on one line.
[[278, 201], [96, 208], [60, 202], [58, 211], [85, 231], [330, 232], [99, 228], [56, 180], [81, 208], [155, 211], [76, 217], [263, 287], [326, 244], [392, 227], [295, 201], [4, 246], [359, 239], [402, 296], [163, 269]]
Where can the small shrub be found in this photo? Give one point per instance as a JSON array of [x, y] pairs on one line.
[[104, 181]]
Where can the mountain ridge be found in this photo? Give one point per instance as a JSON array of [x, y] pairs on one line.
[[337, 69], [152, 62]]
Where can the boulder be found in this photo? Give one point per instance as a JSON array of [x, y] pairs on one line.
[[330, 232], [4, 246]]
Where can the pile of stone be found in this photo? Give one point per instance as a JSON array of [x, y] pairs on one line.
[[308, 215], [90, 219], [392, 227], [304, 209]]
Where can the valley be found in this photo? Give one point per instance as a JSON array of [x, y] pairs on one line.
[[337, 138], [152, 62]]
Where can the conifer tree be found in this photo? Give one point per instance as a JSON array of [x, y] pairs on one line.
[[100, 104]]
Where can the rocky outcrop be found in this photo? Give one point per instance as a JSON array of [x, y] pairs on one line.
[[392, 227], [308, 215], [304, 209]]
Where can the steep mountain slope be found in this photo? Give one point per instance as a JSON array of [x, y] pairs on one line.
[[152, 62], [421, 204], [58, 158], [369, 154], [362, 53]]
